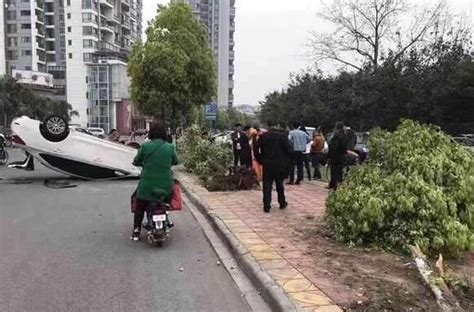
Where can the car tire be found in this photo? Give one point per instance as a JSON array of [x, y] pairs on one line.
[[54, 128]]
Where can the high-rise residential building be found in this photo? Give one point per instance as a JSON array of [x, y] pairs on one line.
[[84, 44], [2, 40], [218, 16]]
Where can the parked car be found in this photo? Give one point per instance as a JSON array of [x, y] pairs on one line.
[[71, 151], [223, 137], [97, 132]]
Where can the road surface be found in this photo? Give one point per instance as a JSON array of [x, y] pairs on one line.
[[69, 250]]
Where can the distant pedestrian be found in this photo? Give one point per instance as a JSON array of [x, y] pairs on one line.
[[255, 134], [241, 147], [298, 140], [114, 135], [337, 155], [307, 155], [273, 152], [318, 152], [246, 155]]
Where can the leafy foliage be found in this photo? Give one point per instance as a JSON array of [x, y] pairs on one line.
[[18, 100], [433, 85], [227, 119], [174, 70], [416, 189], [207, 160]]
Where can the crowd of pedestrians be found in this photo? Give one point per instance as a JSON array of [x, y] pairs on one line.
[[279, 153]]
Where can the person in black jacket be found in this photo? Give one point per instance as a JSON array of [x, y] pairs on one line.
[[241, 147], [272, 151], [337, 155]]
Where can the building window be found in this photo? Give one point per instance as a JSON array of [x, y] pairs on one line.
[[89, 17], [90, 31], [69, 16], [25, 39], [11, 28], [69, 42], [25, 26], [88, 57], [27, 67], [12, 55], [25, 13], [11, 15], [68, 2], [89, 43], [12, 41], [69, 29], [70, 55], [25, 1], [26, 52]]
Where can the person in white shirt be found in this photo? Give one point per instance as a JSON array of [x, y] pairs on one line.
[[307, 155]]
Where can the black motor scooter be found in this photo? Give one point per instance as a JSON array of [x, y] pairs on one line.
[[158, 223]]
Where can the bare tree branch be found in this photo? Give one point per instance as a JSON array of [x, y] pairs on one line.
[[371, 28]]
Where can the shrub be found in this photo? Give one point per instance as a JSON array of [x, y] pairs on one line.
[[418, 188], [208, 160]]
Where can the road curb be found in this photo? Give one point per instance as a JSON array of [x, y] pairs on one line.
[[272, 293]]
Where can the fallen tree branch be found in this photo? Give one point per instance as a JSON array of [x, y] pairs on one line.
[[444, 297]]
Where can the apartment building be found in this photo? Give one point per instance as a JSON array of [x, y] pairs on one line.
[[3, 64], [84, 44], [218, 16]]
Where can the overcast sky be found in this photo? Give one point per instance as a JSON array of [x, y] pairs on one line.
[[270, 38]]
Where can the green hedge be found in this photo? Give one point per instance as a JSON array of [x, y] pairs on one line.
[[418, 188]]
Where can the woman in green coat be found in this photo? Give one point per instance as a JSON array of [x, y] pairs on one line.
[[156, 157]]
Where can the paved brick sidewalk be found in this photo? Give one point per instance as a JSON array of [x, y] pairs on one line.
[[270, 237]]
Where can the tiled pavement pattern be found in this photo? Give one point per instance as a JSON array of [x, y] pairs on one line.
[[268, 237]]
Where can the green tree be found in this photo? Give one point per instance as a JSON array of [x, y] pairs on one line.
[[17, 100], [433, 85], [227, 119], [174, 70]]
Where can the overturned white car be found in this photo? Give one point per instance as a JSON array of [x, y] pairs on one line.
[[75, 153]]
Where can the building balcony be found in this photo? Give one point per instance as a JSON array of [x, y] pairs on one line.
[[107, 28], [231, 70], [126, 21], [108, 3], [232, 12], [116, 19], [232, 55], [126, 2], [231, 84]]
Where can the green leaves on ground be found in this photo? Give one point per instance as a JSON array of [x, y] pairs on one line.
[[208, 160], [418, 188], [174, 70]]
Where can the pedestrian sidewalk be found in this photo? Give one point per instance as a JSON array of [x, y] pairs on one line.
[[270, 237]]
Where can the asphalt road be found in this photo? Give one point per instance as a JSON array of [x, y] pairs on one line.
[[69, 250]]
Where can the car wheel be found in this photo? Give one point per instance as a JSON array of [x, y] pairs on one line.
[[54, 128]]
